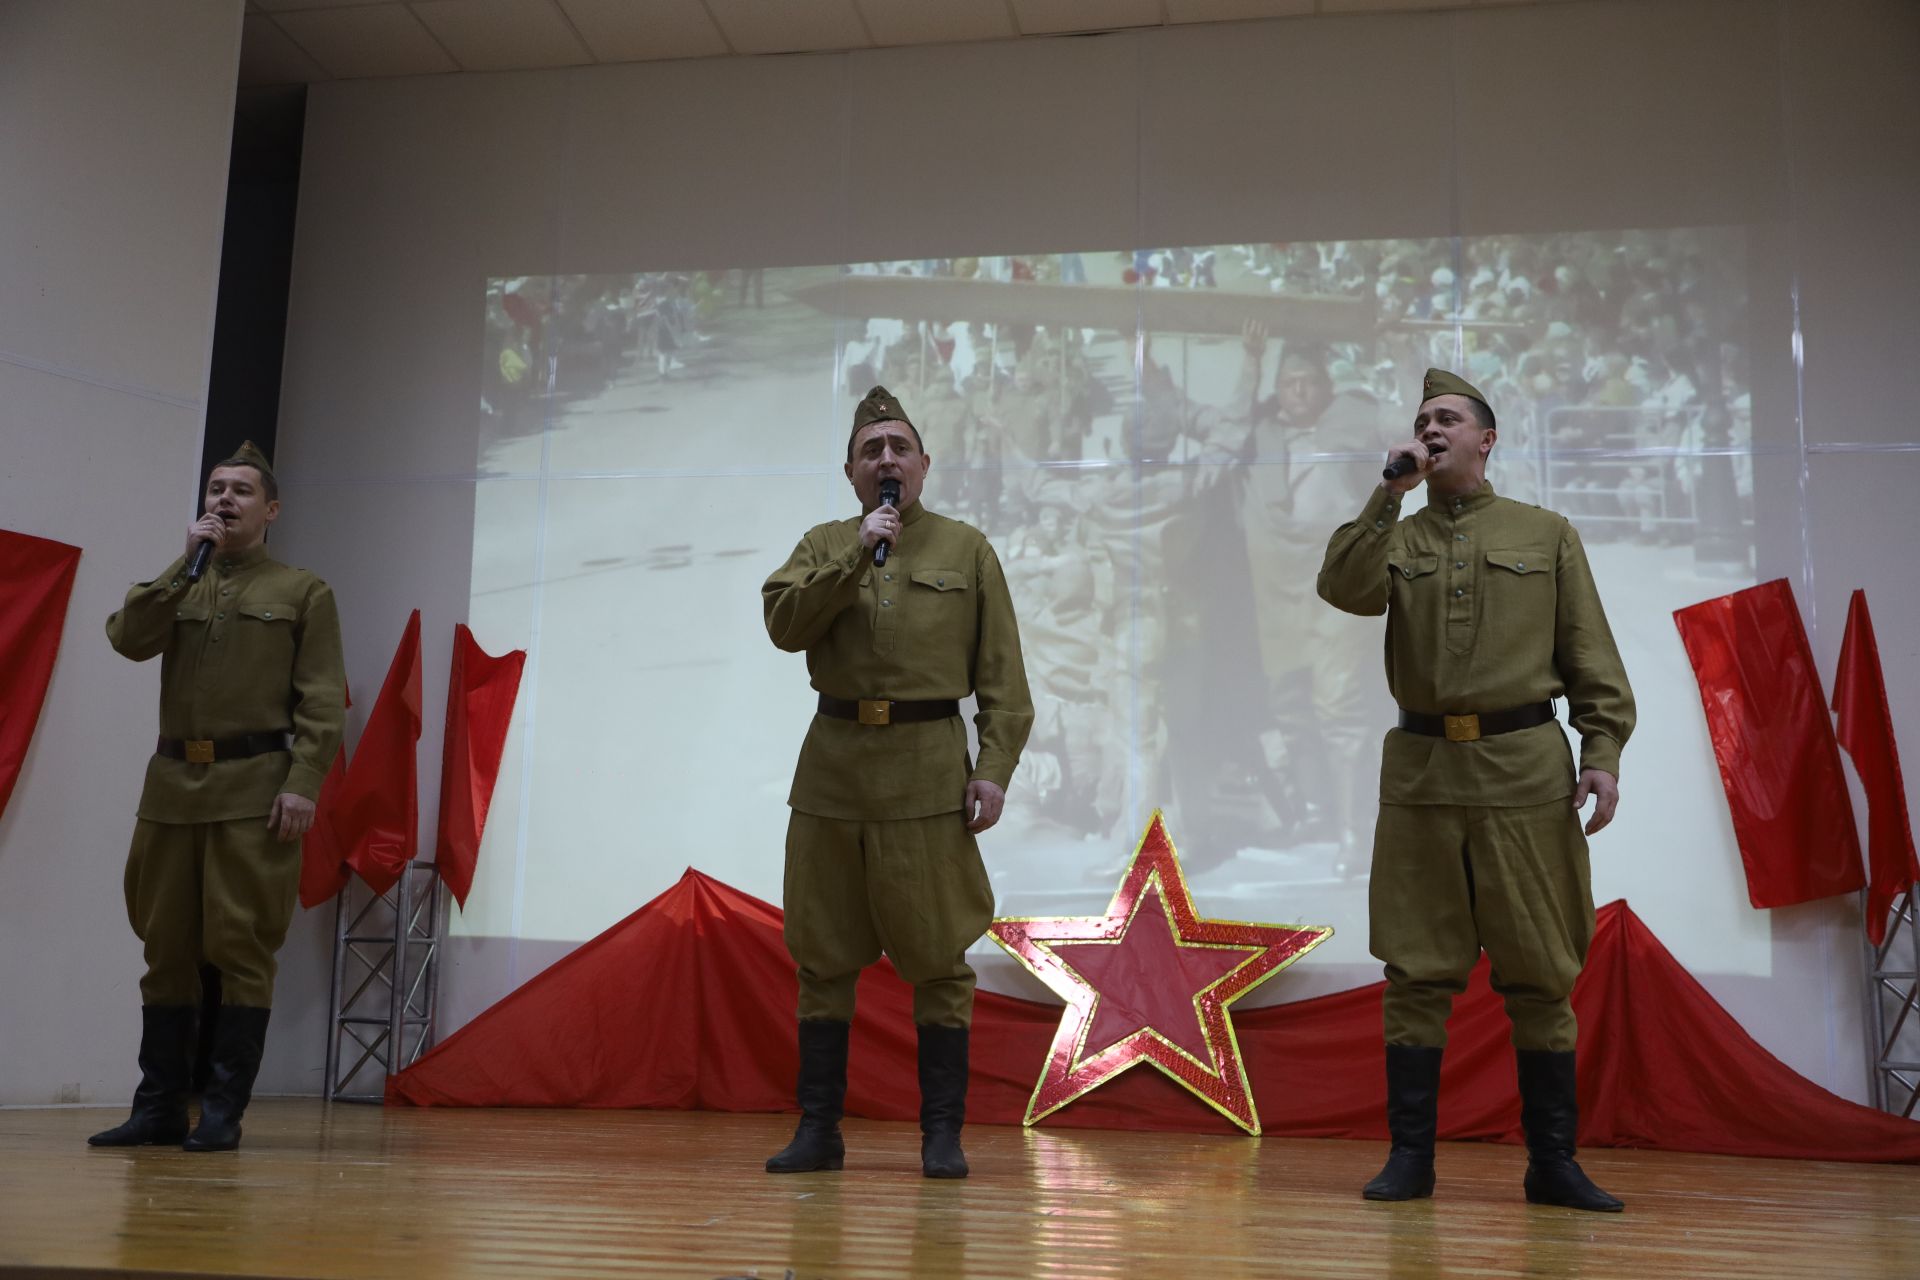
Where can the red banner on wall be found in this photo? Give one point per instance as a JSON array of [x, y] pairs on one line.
[[480, 697], [36, 580], [1774, 741], [1866, 730], [377, 809]]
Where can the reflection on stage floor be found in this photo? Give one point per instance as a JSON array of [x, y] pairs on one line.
[[365, 1191]]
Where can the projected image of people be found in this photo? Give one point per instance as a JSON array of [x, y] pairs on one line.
[[1157, 440]]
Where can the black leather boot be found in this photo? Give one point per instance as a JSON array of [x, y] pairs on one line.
[[822, 1093], [1413, 1110], [943, 1101], [239, 1038], [159, 1115], [1550, 1115]]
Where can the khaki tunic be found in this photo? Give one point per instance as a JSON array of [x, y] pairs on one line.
[[253, 647], [879, 859], [1490, 604], [935, 622]]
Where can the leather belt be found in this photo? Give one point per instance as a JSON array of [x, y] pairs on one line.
[[875, 711], [208, 750], [1473, 727]]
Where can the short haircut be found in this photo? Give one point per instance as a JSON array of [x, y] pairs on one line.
[[268, 485]]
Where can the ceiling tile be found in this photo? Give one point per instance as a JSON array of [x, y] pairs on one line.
[[1381, 6], [1235, 10], [283, 6], [1045, 17], [503, 35], [899, 22], [789, 26], [267, 56], [645, 30], [374, 40]]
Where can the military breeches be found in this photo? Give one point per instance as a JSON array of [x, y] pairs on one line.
[[1451, 880], [221, 893], [914, 889]]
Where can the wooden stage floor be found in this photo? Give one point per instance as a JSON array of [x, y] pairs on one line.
[[364, 1191]]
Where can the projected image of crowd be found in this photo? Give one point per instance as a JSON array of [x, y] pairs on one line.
[[1159, 442]]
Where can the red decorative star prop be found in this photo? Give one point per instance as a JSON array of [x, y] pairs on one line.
[[1150, 981]]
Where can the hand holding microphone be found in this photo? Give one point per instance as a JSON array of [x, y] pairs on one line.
[[207, 533], [884, 521], [1408, 464]]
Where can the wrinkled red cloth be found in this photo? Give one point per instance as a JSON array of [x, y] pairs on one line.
[[1865, 729], [377, 812], [480, 695], [1774, 741], [689, 1003], [323, 864], [36, 580]]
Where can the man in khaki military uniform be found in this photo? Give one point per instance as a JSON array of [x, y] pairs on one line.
[[880, 845], [1491, 613], [252, 702]]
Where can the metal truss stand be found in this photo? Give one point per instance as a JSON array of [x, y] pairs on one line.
[[386, 970], [1893, 1010]]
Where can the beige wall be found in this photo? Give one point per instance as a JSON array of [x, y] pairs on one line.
[[118, 117]]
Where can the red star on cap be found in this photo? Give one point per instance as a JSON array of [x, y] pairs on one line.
[[1150, 981]]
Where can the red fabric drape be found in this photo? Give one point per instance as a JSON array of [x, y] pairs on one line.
[[323, 852], [36, 579], [1774, 741], [689, 1003], [377, 810], [480, 695], [1865, 729]]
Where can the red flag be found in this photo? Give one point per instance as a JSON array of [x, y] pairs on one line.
[[1866, 731], [36, 579], [323, 854], [1774, 741], [480, 697], [377, 810]]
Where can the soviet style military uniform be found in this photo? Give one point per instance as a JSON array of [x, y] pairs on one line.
[[1491, 613], [252, 704], [878, 854], [879, 858]]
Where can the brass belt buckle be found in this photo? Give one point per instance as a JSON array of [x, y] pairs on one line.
[[1463, 728], [199, 750], [876, 711]]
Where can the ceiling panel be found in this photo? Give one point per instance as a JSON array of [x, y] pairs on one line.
[[789, 26], [1046, 17], [1381, 6], [898, 22], [283, 6], [269, 56], [372, 40], [1235, 10], [645, 30], [503, 35]]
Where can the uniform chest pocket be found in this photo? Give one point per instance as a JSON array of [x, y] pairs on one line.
[[1406, 567], [270, 612], [1519, 563], [1519, 604], [264, 630], [190, 611], [941, 580]]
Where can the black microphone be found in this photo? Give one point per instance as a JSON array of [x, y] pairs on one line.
[[1404, 465], [889, 497], [202, 554]]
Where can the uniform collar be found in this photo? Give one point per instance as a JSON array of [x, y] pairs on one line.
[[913, 512], [233, 561], [1464, 503]]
